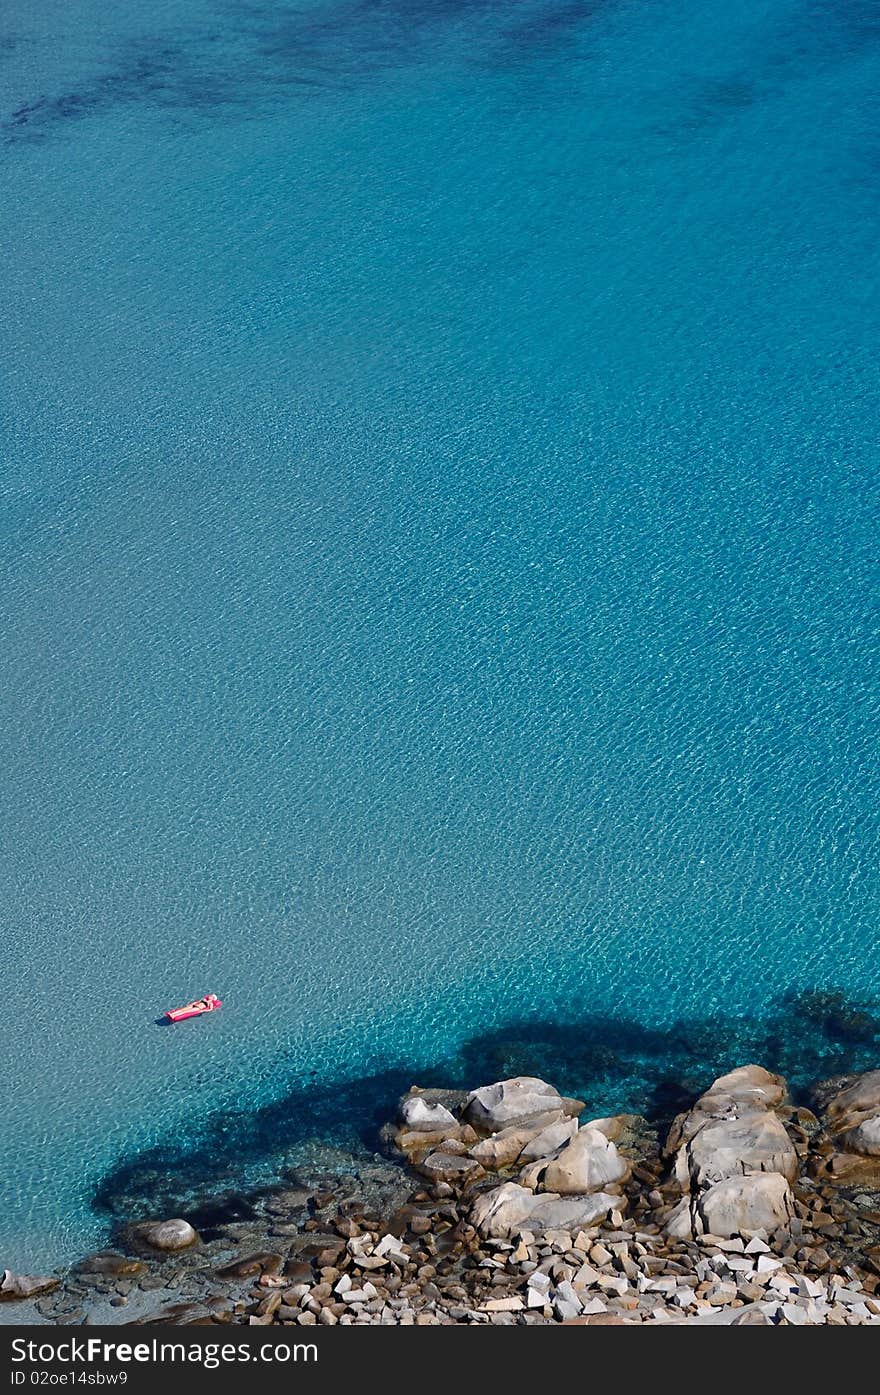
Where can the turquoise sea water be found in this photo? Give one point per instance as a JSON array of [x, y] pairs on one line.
[[438, 542]]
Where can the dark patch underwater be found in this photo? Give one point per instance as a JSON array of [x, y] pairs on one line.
[[613, 1063], [245, 56]]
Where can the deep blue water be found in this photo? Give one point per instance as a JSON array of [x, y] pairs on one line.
[[438, 541]]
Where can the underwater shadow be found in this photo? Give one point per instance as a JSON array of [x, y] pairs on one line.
[[237, 57], [613, 1062]]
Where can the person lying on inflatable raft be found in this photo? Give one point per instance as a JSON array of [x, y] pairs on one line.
[[194, 1009]]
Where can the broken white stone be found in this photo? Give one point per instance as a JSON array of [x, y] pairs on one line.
[[739, 1264], [586, 1276], [811, 1288], [503, 1305], [565, 1311], [757, 1246], [566, 1294], [386, 1244], [768, 1264], [795, 1314]]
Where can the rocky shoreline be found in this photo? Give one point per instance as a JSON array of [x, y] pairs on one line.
[[504, 1206]]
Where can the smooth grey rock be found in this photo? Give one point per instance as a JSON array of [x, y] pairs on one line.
[[754, 1140], [171, 1235], [750, 1085], [589, 1162], [513, 1101], [734, 1206], [572, 1212], [502, 1212], [548, 1139], [417, 1114], [449, 1167], [742, 1091], [505, 1147]]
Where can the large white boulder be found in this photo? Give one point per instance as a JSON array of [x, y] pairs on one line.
[[750, 1085], [548, 1139], [745, 1089], [505, 1147], [418, 1115], [589, 1162], [514, 1101], [502, 1211], [735, 1206], [755, 1140], [572, 1212], [509, 1208]]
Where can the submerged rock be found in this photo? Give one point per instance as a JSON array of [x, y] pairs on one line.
[[109, 1262], [265, 1262], [171, 1235], [18, 1286]]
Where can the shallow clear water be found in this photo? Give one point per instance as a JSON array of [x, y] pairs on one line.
[[438, 578]]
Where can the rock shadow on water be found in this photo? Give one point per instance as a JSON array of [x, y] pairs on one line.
[[252, 58], [611, 1061]]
